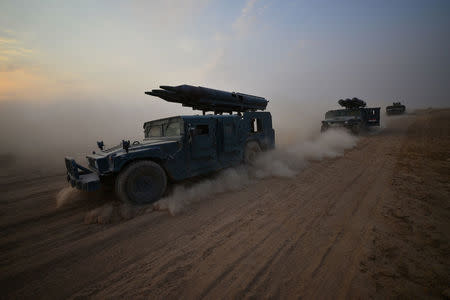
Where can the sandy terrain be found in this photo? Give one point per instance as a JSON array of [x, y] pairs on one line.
[[374, 222]]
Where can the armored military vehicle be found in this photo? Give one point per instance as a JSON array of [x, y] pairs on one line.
[[355, 116], [179, 147], [395, 109]]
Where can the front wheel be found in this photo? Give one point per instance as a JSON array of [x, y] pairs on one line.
[[142, 182]]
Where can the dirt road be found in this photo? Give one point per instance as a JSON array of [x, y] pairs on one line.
[[372, 223]]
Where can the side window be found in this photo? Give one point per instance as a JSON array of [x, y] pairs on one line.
[[256, 125], [173, 129], [155, 131], [201, 130]]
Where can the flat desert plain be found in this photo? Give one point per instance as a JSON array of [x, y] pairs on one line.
[[372, 223]]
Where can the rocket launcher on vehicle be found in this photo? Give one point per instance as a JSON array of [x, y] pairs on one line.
[[206, 99], [352, 103]]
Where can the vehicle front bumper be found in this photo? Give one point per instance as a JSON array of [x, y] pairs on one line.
[[80, 177]]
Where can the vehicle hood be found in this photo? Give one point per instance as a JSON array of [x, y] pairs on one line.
[[145, 144]]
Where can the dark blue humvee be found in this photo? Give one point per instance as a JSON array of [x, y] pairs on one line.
[[354, 117], [179, 147]]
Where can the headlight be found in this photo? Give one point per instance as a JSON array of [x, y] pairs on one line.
[[92, 162], [111, 160]]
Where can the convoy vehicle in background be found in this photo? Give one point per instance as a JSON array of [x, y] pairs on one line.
[[179, 147], [395, 109], [355, 116]]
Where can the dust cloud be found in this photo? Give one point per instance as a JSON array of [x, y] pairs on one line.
[[37, 135], [108, 209], [114, 212], [231, 179], [67, 196], [286, 161], [72, 196], [100, 215]]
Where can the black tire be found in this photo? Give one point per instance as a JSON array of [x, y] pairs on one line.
[[323, 128], [142, 182], [251, 151]]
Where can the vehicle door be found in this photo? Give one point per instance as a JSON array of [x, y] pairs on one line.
[[231, 148], [373, 116], [203, 145]]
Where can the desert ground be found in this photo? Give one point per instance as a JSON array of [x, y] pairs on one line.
[[372, 223]]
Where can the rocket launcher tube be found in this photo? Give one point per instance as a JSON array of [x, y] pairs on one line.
[[207, 99]]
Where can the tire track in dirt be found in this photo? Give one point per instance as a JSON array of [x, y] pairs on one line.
[[318, 216], [333, 204], [283, 238]]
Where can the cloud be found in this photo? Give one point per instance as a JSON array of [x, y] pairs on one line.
[[7, 31], [240, 28], [4, 41], [24, 75], [242, 24], [20, 74], [248, 7], [13, 54], [18, 51], [169, 15]]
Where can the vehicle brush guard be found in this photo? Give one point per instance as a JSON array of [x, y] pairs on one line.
[[81, 177]]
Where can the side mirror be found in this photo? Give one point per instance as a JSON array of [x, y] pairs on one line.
[[125, 145], [100, 145]]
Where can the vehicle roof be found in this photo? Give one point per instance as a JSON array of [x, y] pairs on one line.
[[196, 117], [190, 117], [345, 109], [350, 109]]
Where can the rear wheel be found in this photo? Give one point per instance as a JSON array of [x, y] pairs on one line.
[[323, 128], [142, 182], [251, 151]]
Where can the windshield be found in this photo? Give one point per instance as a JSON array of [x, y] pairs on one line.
[[164, 128], [342, 113]]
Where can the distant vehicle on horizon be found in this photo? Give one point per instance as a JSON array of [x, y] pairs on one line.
[[354, 117], [395, 109]]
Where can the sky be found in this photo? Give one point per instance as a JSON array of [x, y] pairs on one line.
[[288, 50], [91, 61]]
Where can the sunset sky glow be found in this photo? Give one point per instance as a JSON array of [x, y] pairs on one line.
[[286, 50]]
